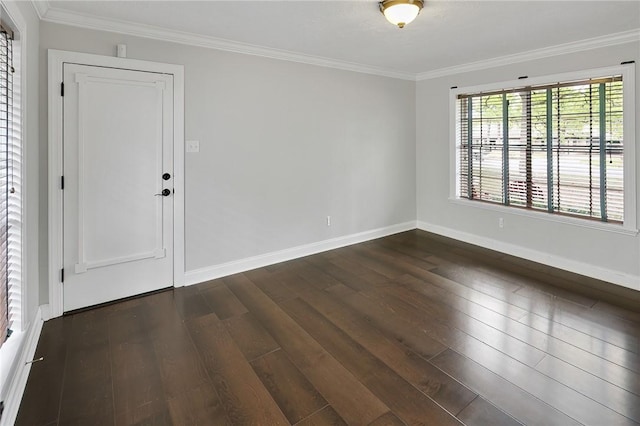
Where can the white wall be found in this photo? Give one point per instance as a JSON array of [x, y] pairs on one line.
[[282, 145], [613, 256]]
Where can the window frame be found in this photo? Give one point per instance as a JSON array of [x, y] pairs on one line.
[[629, 224], [14, 19], [13, 350]]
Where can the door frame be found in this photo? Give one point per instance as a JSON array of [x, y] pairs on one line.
[[56, 61]]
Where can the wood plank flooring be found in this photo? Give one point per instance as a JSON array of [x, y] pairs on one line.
[[408, 329]]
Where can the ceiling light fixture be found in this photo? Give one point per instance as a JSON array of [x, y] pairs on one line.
[[401, 12]]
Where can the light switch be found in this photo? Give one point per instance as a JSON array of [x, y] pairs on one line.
[[193, 146]]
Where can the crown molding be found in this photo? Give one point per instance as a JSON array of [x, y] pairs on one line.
[[546, 52], [82, 20], [41, 7], [59, 16]]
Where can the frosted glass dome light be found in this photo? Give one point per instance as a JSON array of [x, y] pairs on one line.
[[401, 12]]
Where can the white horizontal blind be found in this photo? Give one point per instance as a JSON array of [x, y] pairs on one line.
[[5, 94], [15, 196], [557, 148], [10, 187]]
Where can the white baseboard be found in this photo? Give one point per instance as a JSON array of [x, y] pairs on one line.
[[46, 312], [615, 277], [18, 381], [212, 272]]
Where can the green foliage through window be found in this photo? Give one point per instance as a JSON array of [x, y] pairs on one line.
[[557, 148]]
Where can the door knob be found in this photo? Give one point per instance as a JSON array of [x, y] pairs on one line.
[[165, 192]]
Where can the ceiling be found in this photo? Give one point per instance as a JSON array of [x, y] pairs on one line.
[[446, 34]]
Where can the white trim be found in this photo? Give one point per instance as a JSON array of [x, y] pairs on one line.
[[630, 161], [21, 370], [546, 216], [629, 226], [46, 312], [81, 268], [615, 277], [41, 7], [532, 55], [55, 70], [83, 20], [454, 137], [212, 272], [178, 179], [55, 196], [20, 99]]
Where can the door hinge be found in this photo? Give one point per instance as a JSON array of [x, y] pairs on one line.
[[61, 182], [62, 89], [62, 275]]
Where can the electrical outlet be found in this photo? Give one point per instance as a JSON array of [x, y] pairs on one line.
[[500, 223], [121, 51], [328, 220]]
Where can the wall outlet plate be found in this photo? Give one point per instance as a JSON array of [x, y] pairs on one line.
[[193, 146]]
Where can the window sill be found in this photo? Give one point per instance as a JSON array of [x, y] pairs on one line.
[[8, 357], [539, 215]]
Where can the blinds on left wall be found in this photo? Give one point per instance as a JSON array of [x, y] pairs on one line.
[[10, 192]]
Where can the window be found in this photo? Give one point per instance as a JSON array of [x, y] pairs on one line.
[[554, 145], [10, 188]]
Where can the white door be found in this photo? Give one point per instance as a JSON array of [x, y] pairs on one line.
[[117, 161]]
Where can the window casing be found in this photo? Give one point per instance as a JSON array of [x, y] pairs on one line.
[[12, 20], [538, 145], [10, 189]]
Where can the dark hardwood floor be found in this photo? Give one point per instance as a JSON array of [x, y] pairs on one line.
[[407, 329]]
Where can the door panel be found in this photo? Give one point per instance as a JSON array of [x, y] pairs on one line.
[[118, 142]]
